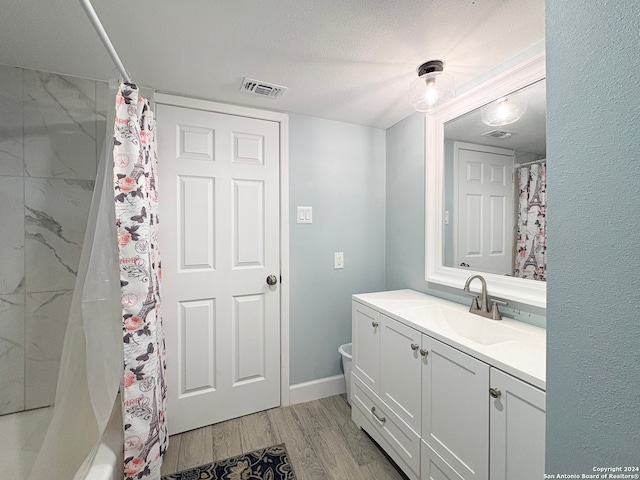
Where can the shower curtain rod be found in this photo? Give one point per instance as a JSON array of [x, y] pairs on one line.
[[518, 165], [95, 21]]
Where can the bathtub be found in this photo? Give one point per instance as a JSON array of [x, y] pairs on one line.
[[21, 435], [109, 460]]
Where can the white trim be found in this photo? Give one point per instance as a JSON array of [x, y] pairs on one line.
[[315, 389], [283, 120], [521, 290]]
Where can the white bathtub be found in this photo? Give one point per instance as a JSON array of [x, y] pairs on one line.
[[108, 463], [21, 435]]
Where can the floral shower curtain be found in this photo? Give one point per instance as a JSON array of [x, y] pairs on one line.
[[531, 225], [136, 205]]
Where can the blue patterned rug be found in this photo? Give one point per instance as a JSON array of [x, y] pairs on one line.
[[270, 463]]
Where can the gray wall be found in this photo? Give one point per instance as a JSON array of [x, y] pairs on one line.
[[339, 170], [593, 146]]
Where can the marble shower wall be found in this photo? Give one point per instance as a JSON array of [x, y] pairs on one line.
[[51, 132]]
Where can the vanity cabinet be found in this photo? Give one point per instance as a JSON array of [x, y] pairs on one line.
[[441, 413]]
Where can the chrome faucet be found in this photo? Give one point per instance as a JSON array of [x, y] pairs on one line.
[[483, 311]]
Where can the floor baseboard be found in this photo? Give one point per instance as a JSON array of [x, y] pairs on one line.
[[315, 389]]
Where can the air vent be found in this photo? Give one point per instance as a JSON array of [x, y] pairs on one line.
[[264, 89], [500, 134]]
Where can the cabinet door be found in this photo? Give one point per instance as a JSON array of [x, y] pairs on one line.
[[432, 467], [366, 330], [517, 419], [400, 368], [455, 412]]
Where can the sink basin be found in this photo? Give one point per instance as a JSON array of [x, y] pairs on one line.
[[464, 324]]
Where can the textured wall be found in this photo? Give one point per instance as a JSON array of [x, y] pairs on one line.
[[338, 169], [593, 141]]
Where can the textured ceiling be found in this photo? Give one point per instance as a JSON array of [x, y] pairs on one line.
[[347, 60]]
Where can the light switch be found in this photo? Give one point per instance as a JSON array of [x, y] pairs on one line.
[[304, 215], [338, 260]]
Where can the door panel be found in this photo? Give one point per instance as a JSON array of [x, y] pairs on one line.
[[400, 373], [517, 429], [366, 330], [219, 207], [455, 405]]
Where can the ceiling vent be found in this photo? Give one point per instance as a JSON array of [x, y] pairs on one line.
[[499, 134], [263, 89]]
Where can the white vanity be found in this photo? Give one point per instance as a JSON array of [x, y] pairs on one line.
[[448, 394]]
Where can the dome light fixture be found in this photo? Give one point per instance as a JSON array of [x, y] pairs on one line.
[[432, 88], [504, 111]]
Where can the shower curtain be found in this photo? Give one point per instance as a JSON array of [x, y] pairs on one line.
[[136, 203], [531, 225], [116, 298]]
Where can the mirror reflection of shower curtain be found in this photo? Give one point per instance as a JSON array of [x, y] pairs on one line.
[[531, 225]]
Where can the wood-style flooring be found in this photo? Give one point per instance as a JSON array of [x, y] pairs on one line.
[[322, 441]]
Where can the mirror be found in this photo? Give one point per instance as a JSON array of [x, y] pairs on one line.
[[486, 186]]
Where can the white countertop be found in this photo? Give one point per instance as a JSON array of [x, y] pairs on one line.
[[521, 353]]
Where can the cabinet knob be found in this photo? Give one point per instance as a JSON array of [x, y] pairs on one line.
[[495, 392], [415, 346], [374, 324], [424, 352], [379, 418]]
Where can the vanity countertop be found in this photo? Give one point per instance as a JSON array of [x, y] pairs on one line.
[[521, 350]]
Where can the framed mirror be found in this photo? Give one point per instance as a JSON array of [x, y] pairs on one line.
[[480, 171]]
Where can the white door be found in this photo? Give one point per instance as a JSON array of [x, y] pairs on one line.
[[485, 208], [219, 237], [517, 425]]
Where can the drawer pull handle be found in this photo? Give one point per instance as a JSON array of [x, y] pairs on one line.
[[415, 346], [424, 352], [380, 419], [374, 324], [495, 392]]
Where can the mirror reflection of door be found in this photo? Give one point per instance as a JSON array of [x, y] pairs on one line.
[[483, 205]]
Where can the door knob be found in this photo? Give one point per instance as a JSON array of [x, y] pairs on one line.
[[272, 280], [415, 346], [495, 392], [424, 352]]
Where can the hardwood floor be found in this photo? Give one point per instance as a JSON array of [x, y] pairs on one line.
[[322, 441]]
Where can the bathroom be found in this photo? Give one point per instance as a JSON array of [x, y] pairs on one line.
[[343, 169]]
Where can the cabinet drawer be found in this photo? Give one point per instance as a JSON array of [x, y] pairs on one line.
[[385, 427]]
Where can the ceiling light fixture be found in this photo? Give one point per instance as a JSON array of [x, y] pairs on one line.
[[504, 111], [432, 88]]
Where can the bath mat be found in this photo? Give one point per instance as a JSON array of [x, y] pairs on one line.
[[271, 463]]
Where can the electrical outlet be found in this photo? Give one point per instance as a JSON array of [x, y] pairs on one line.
[[338, 260]]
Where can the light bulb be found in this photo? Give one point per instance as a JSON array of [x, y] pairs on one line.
[[431, 96], [504, 111]]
